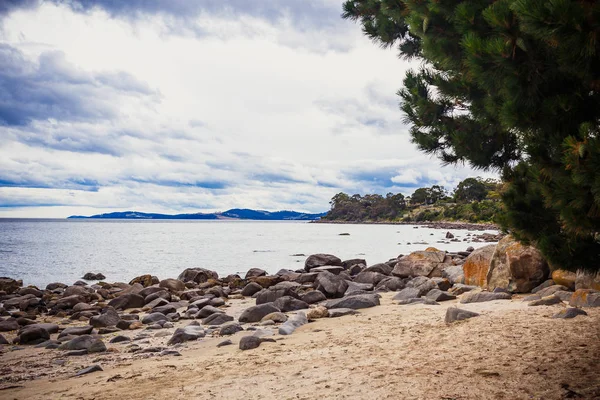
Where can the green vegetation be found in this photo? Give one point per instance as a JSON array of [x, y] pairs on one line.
[[474, 200], [510, 85]]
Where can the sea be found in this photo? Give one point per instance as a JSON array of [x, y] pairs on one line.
[[41, 251]]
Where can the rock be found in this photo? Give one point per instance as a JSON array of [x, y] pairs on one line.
[[543, 285], [354, 288], [256, 313], [294, 322], [197, 275], [109, 318], [336, 270], [88, 370], [354, 261], [75, 353], [340, 312], [225, 343], [30, 290], [419, 263], [477, 265], [442, 283], [551, 290], [381, 268], [569, 313], [585, 298], [354, 302], [208, 310], [173, 285], [317, 312], [515, 267], [391, 283], [459, 289], [97, 346], [272, 294], [546, 301], [120, 339], [267, 281], [154, 318], [130, 300], [187, 333], [275, 317], [157, 302], [456, 314], [10, 324], [331, 285], [82, 342], [480, 297], [10, 285], [254, 272], [312, 297], [587, 280], [449, 235], [252, 342], [3, 340], [32, 335], [564, 295], [288, 303], [76, 331], [438, 295], [90, 276], [166, 309], [217, 319], [251, 288], [422, 283], [407, 293], [144, 280], [318, 260], [564, 278], [229, 328], [55, 285], [421, 300], [370, 277]]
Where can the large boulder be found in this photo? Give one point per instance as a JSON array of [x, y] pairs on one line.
[[420, 263], [10, 285], [173, 285], [109, 318], [354, 302], [256, 313], [197, 275], [454, 273], [515, 267], [564, 278], [254, 272], [423, 284], [288, 303], [272, 294], [585, 298], [382, 268], [312, 297], [331, 285], [251, 288], [480, 297], [33, 334], [477, 266], [318, 260], [130, 300], [371, 277], [144, 280]]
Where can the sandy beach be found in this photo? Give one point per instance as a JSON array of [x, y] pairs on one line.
[[512, 351]]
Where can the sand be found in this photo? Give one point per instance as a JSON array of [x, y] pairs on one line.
[[511, 351]]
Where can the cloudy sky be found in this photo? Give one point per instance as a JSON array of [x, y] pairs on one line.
[[197, 105]]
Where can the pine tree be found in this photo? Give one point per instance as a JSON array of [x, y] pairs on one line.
[[510, 85]]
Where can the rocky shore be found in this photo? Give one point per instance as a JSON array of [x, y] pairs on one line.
[[434, 225], [62, 333]]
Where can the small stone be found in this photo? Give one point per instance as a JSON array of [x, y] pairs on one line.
[[252, 342], [456, 314], [229, 328], [225, 343]]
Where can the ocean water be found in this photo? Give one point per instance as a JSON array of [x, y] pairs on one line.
[[44, 251]]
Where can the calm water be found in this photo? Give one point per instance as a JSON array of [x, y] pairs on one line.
[[44, 251]]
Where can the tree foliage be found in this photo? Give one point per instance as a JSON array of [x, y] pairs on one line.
[[512, 85]]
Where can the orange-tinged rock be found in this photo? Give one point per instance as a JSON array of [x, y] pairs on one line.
[[431, 249], [585, 298], [587, 280], [477, 264], [565, 278]]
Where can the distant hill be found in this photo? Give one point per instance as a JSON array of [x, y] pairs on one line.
[[235, 213]]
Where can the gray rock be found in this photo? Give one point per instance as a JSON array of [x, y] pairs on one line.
[[120, 339], [331, 285], [354, 287], [154, 318], [197, 275], [336, 270], [10, 324], [318, 260], [340, 312], [90, 276], [271, 294], [130, 300], [51, 328], [109, 318], [459, 288], [454, 273], [570, 312], [275, 317], [420, 300], [253, 272], [564, 295], [422, 283], [32, 334], [380, 268], [312, 297], [407, 293], [251, 288], [217, 319], [82, 342], [456, 314], [76, 331], [354, 302], [227, 342], [370, 277], [544, 285], [190, 332], [172, 285], [165, 309], [550, 290], [169, 352], [252, 342], [97, 346], [438, 295], [546, 301], [229, 328], [442, 283], [294, 322], [256, 313], [479, 297], [88, 370], [207, 311], [288, 303], [391, 283], [3, 340]]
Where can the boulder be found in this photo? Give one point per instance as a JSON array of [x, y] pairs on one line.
[[271, 294], [131, 300], [254, 272], [341, 312], [173, 285], [288, 303], [307, 277], [76, 331], [354, 302], [381, 268], [90, 276], [82, 342], [144, 280], [477, 265], [229, 328], [154, 318], [3, 340], [317, 312], [564, 278], [318, 260], [570, 312], [515, 267], [420, 263], [480, 297], [585, 298], [354, 261], [331, 285], [251, 288], [30, 290], [312, 297], [267, 281], [55, 285], [587, 280], [294, 322], [456, 314], [277, 317], [442, 283], [354, 288], [438, 295], [370, 277], [336, 270], [421, 300], [543, 285], [256, 313], [391, 283], [208, 310], [407, 293], [217, 319], [32, 334], [187, 333], [551, 290], [10, 324], [546, 301], [252, 342], [197, 275], [109, 318], [10, 285], [166, 309], [454, 273], [422, 283]]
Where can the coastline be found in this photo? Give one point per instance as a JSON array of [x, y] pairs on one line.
[[434, 225]]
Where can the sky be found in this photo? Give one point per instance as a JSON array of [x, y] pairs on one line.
[[186, 106]]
